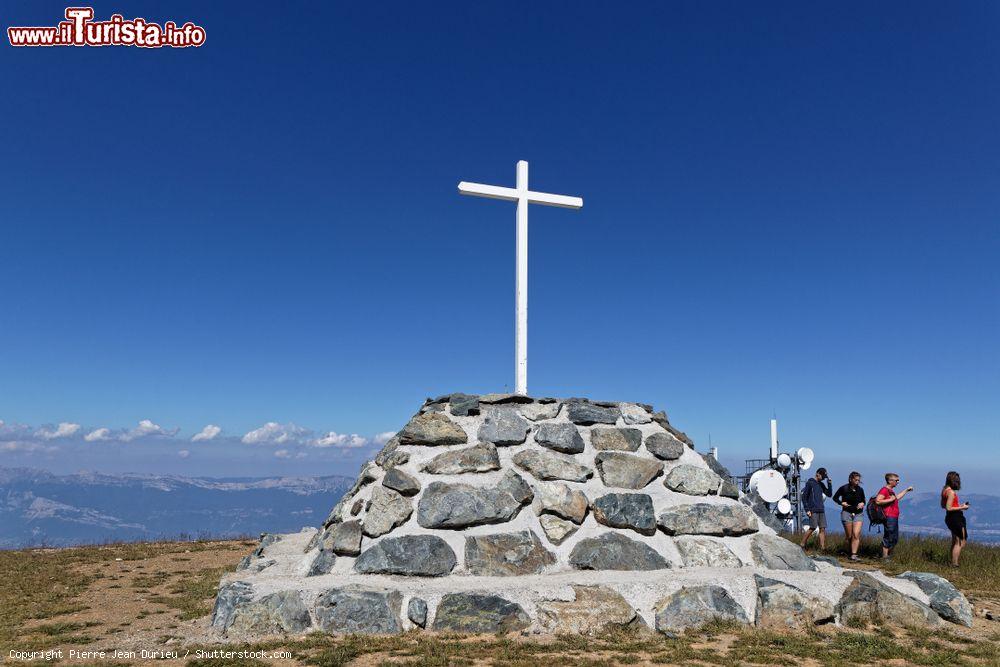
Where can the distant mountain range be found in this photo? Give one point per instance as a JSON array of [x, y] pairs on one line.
[[38, 508], [922, 513]]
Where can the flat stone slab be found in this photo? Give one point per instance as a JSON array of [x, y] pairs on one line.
[[503, 427], [478, 458], [692, 607], [708, 519], [506, 554], [633, 511], [705, 552], [781, 606], [586, 414], [547, 467], [777, 553], [621, 439], [479, 613], [277, 613], [626, 471], [692, 480], [614, 551], [432, 429], [563, 438], [401, 482], [594, 610], [356, 610], [457, 506], [412, 555]]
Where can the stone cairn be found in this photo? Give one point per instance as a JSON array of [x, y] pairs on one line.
[[504, 513]]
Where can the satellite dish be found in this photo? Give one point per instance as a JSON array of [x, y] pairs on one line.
[[784, 461], [784, 506], [769, 485], [805, 457]]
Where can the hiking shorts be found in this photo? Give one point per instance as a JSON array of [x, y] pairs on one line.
[[817, 520], [848, 517]]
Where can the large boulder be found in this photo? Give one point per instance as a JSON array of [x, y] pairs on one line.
[[478, 458], [693, 606], [626, 471], [692, 480], [457, 506], [594, 610], [277, 613], [230, 596], [945, 599], [359, 610], [386, 510], [411, 555], [664, 446], [506, 554], [432, 429], [479, 613], [707, 519], [781, 606], [547, 467], [586, 414], [563, 438], [626, 510], [705, 552], [614, 551], [503, 427], [777, 553], [561, 500], [867, 600], [620, 439]]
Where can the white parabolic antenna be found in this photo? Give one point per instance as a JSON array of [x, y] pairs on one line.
[[784, 461], [784, 506], [769, 485], [805, 457]]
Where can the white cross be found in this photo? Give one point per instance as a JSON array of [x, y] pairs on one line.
[[523, 196]]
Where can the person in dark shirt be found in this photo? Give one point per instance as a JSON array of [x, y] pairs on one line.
[[812, 503], [954, 514], [851, 498]]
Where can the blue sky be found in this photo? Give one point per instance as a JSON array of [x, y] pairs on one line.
[[789, 208]]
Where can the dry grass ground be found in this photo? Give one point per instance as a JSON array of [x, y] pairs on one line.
[[156, 596]]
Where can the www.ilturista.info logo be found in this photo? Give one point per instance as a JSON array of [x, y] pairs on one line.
[[79, 29]]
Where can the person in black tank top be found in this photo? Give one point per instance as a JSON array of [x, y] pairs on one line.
[[954, 515], [851, 498]]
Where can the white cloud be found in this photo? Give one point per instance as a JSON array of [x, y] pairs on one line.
[[22, 446], [339, 440], [13, 430], [273, 433], [63, 430], [146, 428], [383, 437], [98, 434], [282, 454], [183, 453], [210, 432]]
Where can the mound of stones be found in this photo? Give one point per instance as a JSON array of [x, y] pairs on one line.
[[502, 513]]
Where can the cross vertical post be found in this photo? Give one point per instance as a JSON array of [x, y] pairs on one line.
[[523, 197]]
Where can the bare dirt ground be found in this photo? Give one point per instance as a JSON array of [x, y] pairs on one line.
[[149, 604]]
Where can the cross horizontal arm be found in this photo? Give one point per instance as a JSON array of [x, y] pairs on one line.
[[491, 191], [562, 201]]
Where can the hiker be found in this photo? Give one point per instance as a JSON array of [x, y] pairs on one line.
[[851, 498], [812, 502], [954, 514], [888, 500]]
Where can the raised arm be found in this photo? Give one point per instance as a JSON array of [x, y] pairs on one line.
[[882, 499]]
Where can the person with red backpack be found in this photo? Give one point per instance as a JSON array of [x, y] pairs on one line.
[[888, 500]]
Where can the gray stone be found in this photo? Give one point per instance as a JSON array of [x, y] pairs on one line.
[[385, 511], [761, 510], [322, 563], [464, 405], [416, 611], [229, 597], [556, 529], [358, 505], [661, 419], [479, 613], [692, 480], [586, 414], [614, 551], [477, 458], [707, 519], [432, 429], [545, 466], [506, 554], [626, 510], [704, 552], [563, 438], [664, 446], [281, 612], [388, 451], [626, 471], [457, 506], [868, 600], [729, 490], [594, 610], [503, 427], [561, 500], [343, 539], [693, 606], [396, 459], [411, 555], [399, 481], [358, 610], [715, 466], [945, 599], [781, 606], [634, 414], [777, 553], [623, 439], [540, 411]]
